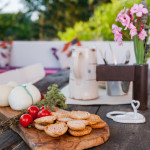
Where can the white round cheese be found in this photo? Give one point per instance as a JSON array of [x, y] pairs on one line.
[[4, 94], [34, 91], [21, 98], [13, 84]]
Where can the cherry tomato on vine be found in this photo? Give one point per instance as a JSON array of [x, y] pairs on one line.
[[43, 113], [44, 108], [26, 120], [33, 111], [42, 96]]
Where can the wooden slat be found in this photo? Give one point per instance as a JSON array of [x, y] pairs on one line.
[[8, 139], [61, 78], [122, 136], [126, 136], [140, 85], [37, 139], [21, 146], [9, 113], [90, 109], [115, 73]]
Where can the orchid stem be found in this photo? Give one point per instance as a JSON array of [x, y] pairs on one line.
[[125, 35]]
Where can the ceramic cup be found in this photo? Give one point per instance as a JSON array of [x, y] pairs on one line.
[[82, 80]]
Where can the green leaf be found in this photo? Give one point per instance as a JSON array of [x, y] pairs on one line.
[[99, 25], [141, 51]]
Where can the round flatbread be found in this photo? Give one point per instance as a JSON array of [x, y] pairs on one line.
[[81, 115], [56, 129], [94, 119], [64, 119], [60, 114], [45, 120], [77, 124], [86, 131], [39, 126], [101, 124]]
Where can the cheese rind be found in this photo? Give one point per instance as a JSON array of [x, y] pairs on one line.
[[20, 98], [4, 94]]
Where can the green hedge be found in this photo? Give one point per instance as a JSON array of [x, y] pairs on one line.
[[99, 26]]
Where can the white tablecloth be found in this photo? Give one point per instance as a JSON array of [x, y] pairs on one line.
[[103, 99]]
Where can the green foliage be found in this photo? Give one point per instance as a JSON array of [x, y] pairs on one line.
[[14, 26], [56, 15], [99, 25], [53, 98], [81, 29]]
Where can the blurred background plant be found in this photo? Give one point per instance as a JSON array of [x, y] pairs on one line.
[[62, 19], [15, 26], [99, 26], [52, 16], [56, 15]]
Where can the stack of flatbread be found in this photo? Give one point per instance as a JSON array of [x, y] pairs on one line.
[[77, 123]]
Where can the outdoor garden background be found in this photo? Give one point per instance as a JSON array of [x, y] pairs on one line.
[[62, 20]]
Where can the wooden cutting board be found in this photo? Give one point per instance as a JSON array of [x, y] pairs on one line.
[[38, 140]]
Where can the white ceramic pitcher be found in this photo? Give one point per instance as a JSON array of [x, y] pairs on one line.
[[82, 83]]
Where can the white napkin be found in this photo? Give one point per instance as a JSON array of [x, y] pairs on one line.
[[28, 74], [103, 99]]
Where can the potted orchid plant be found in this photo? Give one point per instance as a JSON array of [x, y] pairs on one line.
[[131, 20]]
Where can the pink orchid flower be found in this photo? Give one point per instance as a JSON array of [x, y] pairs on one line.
[[115, 28], [124, 18], [117, 35], [142, 34], [120, 15], [131, 15], [133, 30], [120, 42], [118, 38], [125, 21], [139, 10]]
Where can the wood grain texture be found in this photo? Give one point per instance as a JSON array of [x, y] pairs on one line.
[[21, 146], [115, 72], [9, 139], [90, 109], [126, 136], [7, 112], [61, 78], [123, 136], [39, 140]]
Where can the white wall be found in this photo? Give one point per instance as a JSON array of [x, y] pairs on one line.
[[119, 51], [27, 53], [30, 52]]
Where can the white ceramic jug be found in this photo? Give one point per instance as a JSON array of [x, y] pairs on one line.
[[82, 83]]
